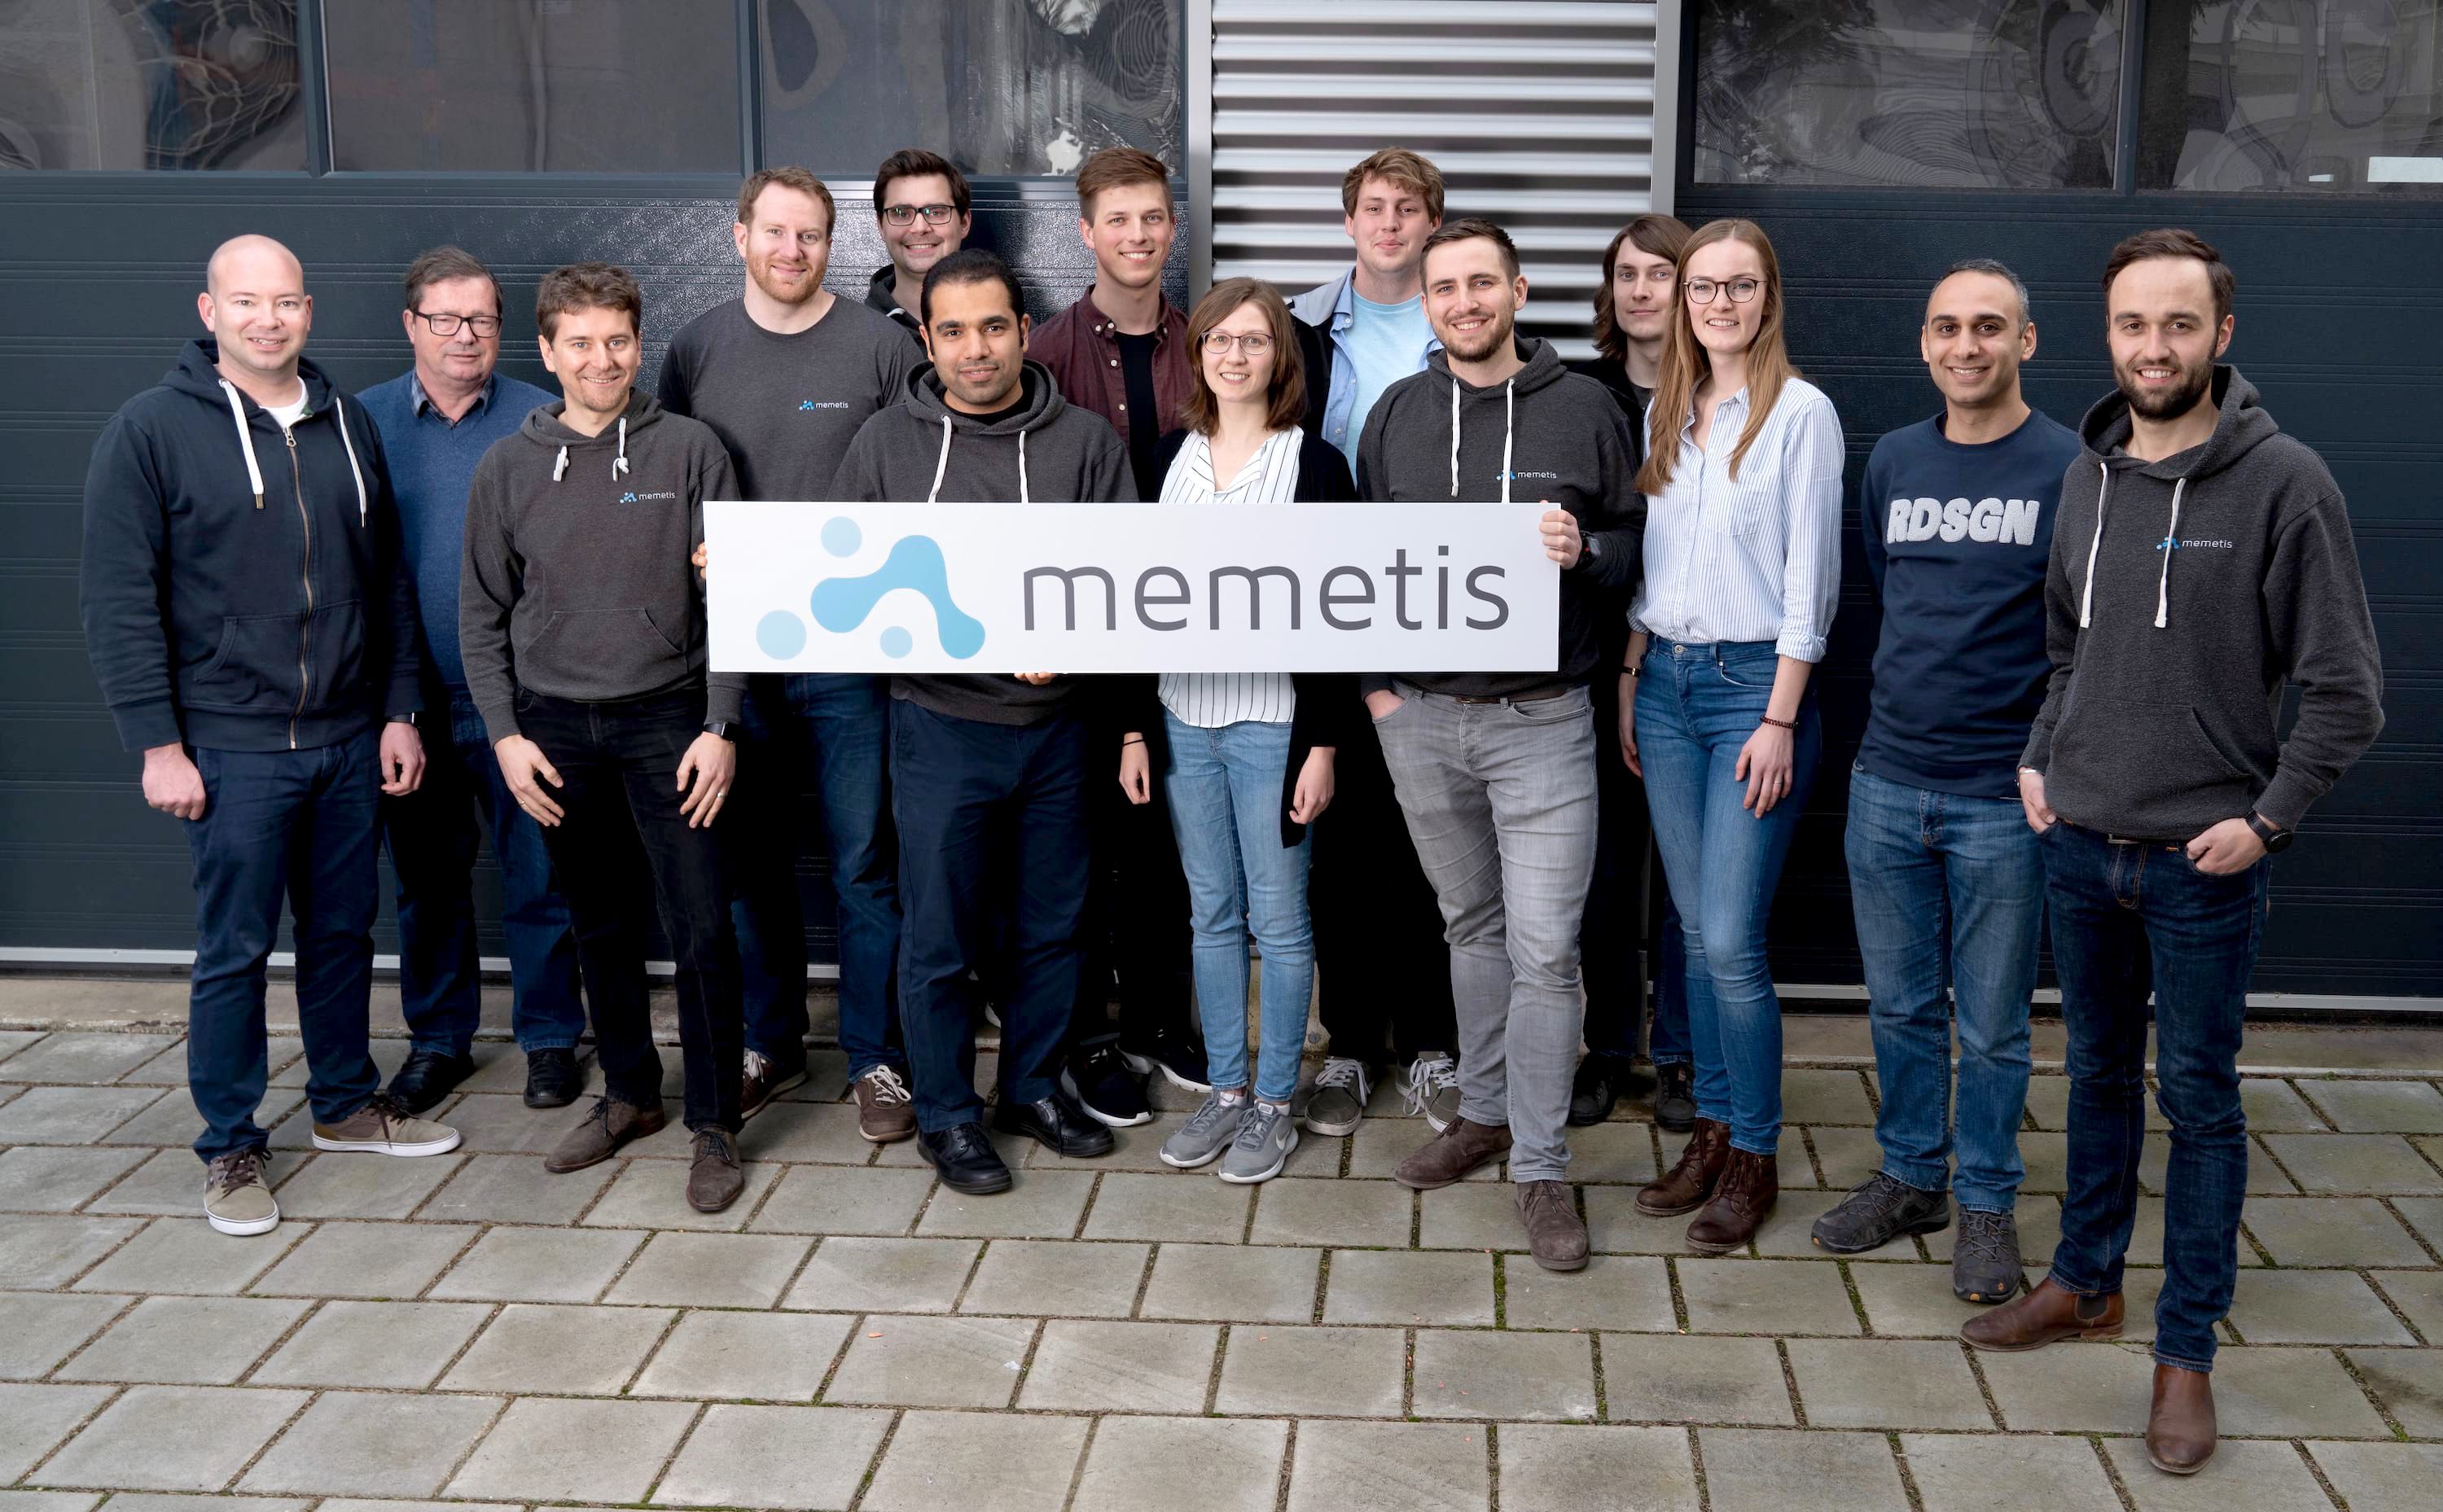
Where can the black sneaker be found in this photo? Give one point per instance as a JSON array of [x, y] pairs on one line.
[[1174, 1052], [1603, 1079], [1879, 1210], [1104, 1085], [428, 1077], [1985, 1257], [553, 1078], [1675, 1097]]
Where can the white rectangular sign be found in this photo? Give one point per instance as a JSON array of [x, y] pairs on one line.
[[1131, 587]]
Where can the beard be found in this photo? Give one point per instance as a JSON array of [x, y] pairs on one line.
[[2170, 403], [762, 274], [1492, 337]]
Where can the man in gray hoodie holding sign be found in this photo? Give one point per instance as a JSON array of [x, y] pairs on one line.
[[2200, 559], [984, 758], [583, 628], [1496, 771]]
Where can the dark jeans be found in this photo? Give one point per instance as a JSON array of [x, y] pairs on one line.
[[621, 844], [2127, 918], [1384, 970], [1625, 897], [432, 839], [304, 824], [960, 788], [835, 727], [1136, 937]]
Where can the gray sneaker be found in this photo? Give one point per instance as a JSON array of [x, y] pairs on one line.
[[1985, 1257], [1338, 1101], [237, 1199], [1433, 1089], [1877, 1211], [1266, 1136], [1208, 1132]]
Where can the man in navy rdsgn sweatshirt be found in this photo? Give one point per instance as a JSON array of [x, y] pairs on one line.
[[253, 631], [1944, 875]]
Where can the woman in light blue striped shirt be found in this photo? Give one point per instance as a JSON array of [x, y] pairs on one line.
[[1742, 480]]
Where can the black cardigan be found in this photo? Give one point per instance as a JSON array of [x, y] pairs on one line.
[[1326, 701]]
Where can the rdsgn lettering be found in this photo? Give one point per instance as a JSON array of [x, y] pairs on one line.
[[2007, 522], [1340, 589]]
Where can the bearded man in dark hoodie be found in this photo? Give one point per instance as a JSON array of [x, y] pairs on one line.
[[252, 626], [981, 758], [2201, 560], [1495, 772], [582, 627]]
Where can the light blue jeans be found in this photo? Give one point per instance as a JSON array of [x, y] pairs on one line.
[[1224, 788]]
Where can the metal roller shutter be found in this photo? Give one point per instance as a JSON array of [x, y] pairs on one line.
[[1540, 114]]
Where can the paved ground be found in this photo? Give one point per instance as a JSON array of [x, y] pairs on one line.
[[1115, 1335]]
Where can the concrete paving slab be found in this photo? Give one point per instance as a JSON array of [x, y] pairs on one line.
[[1043, 1205], [398, 1346], [1998, 1472], [41, 1252], [1086, 1366], [153, 1438], [1683, 1379], [1528, 1376], [1842, 1472], [1057, 1279], [745, 1356], [1886, 1383], [185, 1340], [1766, 1297], [858, 1274], [844, 1200], [2241, 1477], [2383, 1477], [955, 1462], [567, 1351], [1172, 1206], [1614, 1292], [1349, 1467], [1570, 1469], [374, 1443], [1138, 1463], [911, 1361], [728, 1459], [538, 1265], [2372, 1163], [2408, 1382], [2312, 1308], [1257, 1283], [1408, 1288], [712, 1270], [514, 1189], [72, 1115], [89, 1058], [1314, 1372], [38, 1179], [2378, 1107], [387, 1260], [563, 1450], [1332, 1213], [185, 1255]]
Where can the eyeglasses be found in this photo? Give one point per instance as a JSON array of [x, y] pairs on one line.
[[1700, 291], [1255, 344], [906, 215], [484, 326]]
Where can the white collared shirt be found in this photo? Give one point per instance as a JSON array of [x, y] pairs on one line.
[[1211, 700], [1755, 558]]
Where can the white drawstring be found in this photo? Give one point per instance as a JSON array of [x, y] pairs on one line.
[[245, 442], [560, 467], [1454, 438], [1022, 469], [339, 413], [619, 462], [2171, 544], [1509, 434], [2086, 598], [943, 465]]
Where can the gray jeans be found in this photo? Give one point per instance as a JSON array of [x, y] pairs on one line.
[[1500, 801]]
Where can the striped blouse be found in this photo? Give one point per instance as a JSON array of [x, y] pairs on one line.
[[1755, 559], [1211, 700]]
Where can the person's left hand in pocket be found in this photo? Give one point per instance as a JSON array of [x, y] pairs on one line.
[[2228, 847]]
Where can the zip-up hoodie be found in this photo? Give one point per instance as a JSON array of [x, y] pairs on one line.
[[882, 297], [1547, 433], [924, 452], [575, 583], [243, 588], [2181, 595]]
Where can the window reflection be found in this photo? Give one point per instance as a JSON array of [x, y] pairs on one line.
[[150, 84]]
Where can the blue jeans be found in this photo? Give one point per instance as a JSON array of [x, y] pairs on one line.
[[304, 824], [960, 791], [432, 839], [2127, 917], [1697, 705], [1225, 786], [836, 727], [1949, 892]]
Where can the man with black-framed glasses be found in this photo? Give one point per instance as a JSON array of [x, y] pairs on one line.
[[436, 421], [922, 205]]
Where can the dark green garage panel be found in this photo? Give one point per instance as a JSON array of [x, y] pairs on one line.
[[2341, 324], [99, 275]]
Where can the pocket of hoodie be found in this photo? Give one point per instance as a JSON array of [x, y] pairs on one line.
[[335, 647], [605, 641], [256, 662], [2148, 753]]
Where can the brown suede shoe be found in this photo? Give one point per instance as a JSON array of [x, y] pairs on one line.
[[1452, 1154], [609, 1124], [1688, 1184], [2041, 1316], [884, 1114], [715, 1179], [1555, 1235], [1743, 1199], [2180, 1424]]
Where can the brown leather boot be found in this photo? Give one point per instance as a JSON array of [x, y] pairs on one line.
[[1452, 1154], [1688, 1184], [2041, 1316], [1743, 1198], [2180, 1424]]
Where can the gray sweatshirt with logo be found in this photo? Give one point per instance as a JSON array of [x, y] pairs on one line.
[[2181, 596], [576, 583]]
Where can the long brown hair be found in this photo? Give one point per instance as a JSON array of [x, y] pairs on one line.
[[1685, 362], [1286, 391], [1655, 235]]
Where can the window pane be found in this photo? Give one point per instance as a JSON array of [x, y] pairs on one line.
[[996, 87], [150, 84], [1965, 93], [570, 86], [2342, 94]]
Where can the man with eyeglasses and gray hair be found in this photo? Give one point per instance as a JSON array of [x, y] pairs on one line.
[[436, 421]]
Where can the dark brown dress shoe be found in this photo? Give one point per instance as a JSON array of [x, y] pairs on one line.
[[2180, 1424], [1743, 1199], [2043, 1317], [715, 1176], [1688, 1184], [1556, 1236], [1452, 1154]]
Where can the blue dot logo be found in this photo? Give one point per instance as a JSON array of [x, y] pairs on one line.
[[841, 537], [781, 635], [896, 641]]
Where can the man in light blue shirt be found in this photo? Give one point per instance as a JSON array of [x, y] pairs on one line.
[[1367, 329]]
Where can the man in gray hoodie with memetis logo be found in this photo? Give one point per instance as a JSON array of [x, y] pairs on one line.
[[583, 628], [2201, 560]]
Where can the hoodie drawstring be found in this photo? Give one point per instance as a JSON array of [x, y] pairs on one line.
[[245, 442], [941, 466], [339, 413], [561, 465], [2171, 543], [2087, 597], [1509, 434], [619, 461]]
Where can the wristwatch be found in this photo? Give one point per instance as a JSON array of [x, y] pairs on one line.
[[719, 727], [2275, 837], [401, 718]]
